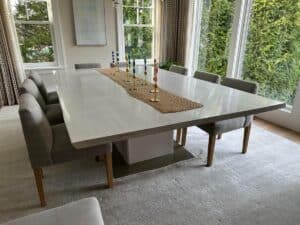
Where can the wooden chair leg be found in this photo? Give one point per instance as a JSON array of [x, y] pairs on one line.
[[219, 136], [247, 131], [178, 135], [211, 149], [38, 174], [109, 169], [183, 136]]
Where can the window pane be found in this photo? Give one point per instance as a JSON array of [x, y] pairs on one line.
[[145, 16], [129, 15], [138, 42], [145, 3], [272, 55], [30, 10], [216, 23], [130, 2], [35, 43]]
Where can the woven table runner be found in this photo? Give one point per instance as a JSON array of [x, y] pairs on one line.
[[169, 103]]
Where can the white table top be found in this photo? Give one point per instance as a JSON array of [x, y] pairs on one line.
[[96, 110]]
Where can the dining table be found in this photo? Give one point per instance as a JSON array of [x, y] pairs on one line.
[[98, 110]]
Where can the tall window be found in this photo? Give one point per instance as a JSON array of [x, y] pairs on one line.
[[34, 26], [138, 28], [215, 32], [272, 56]]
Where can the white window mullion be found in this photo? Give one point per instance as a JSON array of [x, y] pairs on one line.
[[238, 37]]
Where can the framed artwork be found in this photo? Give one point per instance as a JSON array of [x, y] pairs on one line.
[[89, 21]]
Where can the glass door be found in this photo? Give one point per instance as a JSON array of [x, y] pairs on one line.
[[272, 52], [214, 37]]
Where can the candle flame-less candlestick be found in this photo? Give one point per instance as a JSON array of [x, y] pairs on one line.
[[118, 62], [127, 69], [155, 90], [134, 77], [145, 71]]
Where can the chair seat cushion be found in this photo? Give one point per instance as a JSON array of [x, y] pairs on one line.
[[52, 98], [224, 126], [54, 114], [63, 149], [82, 212]]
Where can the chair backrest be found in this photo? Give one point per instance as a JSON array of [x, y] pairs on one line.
[[36, 78], [30, 87], [241, 85], [210, 77], [178, 69], [37, 131], [121, 64], [79, 66]]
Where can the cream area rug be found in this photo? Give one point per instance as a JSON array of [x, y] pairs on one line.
[[261, 187]]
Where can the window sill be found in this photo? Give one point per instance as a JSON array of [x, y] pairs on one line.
[[37, 68]]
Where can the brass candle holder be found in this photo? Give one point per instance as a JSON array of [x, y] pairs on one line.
[[155, 90]]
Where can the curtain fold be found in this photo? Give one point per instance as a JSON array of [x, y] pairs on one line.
[[174, 30], [11, 69]]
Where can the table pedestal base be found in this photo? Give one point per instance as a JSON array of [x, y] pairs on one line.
[[147, 147]]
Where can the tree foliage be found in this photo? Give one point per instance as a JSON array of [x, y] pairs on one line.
[[35, 39]]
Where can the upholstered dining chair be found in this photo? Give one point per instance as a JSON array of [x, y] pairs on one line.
[[53, 111], [49, 145], [210, 77], [79, 66], [178, 69], [51, 97], [217, 128], [121, 64]]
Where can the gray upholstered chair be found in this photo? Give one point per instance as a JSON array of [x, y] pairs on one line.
[[51, 97], [210, 77], [218, 128], [80, 66], [52, 111], [121, 64], [48, 145], [178, 69]]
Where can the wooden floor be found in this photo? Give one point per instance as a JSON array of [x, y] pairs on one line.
[[284, 132]]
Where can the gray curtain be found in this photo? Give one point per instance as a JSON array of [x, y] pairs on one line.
[[11, 72], [174, 27]]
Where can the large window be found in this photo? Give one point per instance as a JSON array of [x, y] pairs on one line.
[[272, 56], [215, 32], [34, 26], [138, 28]]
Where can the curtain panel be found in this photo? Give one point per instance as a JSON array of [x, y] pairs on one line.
[[174, 25], [11, 70]]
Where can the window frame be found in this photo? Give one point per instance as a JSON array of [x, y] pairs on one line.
[[121, 29], [55, 29]]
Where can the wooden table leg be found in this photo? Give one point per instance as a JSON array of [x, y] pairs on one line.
[[109, 169]]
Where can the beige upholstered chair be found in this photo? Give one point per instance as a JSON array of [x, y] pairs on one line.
[[48, 145], [83, 212], [53, 111], [51, 97], [178, 69], [80, 66], [210, 77], [218, 128]]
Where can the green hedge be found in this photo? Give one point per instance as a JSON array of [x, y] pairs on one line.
[[272, 56]]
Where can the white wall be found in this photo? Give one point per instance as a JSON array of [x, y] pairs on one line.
[[285, 118], [84, 54]]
